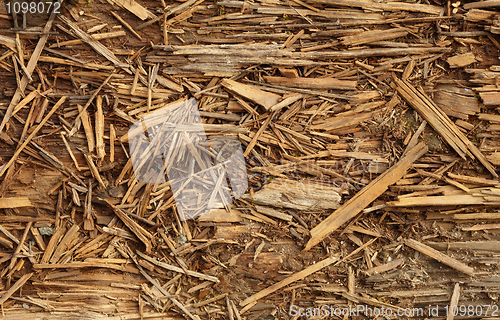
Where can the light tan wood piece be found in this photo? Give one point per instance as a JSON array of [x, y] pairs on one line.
[[364, 197], [285, 193], [441, 257], [265, 99]]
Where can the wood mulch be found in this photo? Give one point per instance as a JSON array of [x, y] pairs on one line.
[[367, 138]]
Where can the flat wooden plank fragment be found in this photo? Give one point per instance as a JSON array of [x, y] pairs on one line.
[[8, 42], [92, 264], [169, 84], [364, 197], [455, 104], [274, 213], [338, 122], [451, 200], [478, 227], [477, 216], [15, 202], [494, 158], [99, 129], [313, 83], [461, 60], [233, 231], [297, 276], [263, 98], [221, 215], [300, 195], [489, 117], [287, 101], [387, 6], [454, 301], [482, 4], [490, 99], [385, 267], [467, 245], [135, 8], [373, 36], [473, 180], [441, 257]]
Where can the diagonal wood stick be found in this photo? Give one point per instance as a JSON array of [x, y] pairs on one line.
[[19, 283], [297, 276], [439, 256], [363, 198], [25, 143]]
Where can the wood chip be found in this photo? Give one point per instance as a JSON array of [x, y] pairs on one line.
[[428, 251], [363, 198]]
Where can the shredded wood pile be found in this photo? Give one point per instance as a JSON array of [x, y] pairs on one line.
[[369, 132]]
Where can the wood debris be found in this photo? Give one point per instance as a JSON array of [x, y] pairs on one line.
[[368, 194], [441, 123], [239, 159], [461, 60], [439, 256], [291, 194]]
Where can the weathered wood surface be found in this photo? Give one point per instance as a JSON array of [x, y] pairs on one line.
[[331, 143]]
